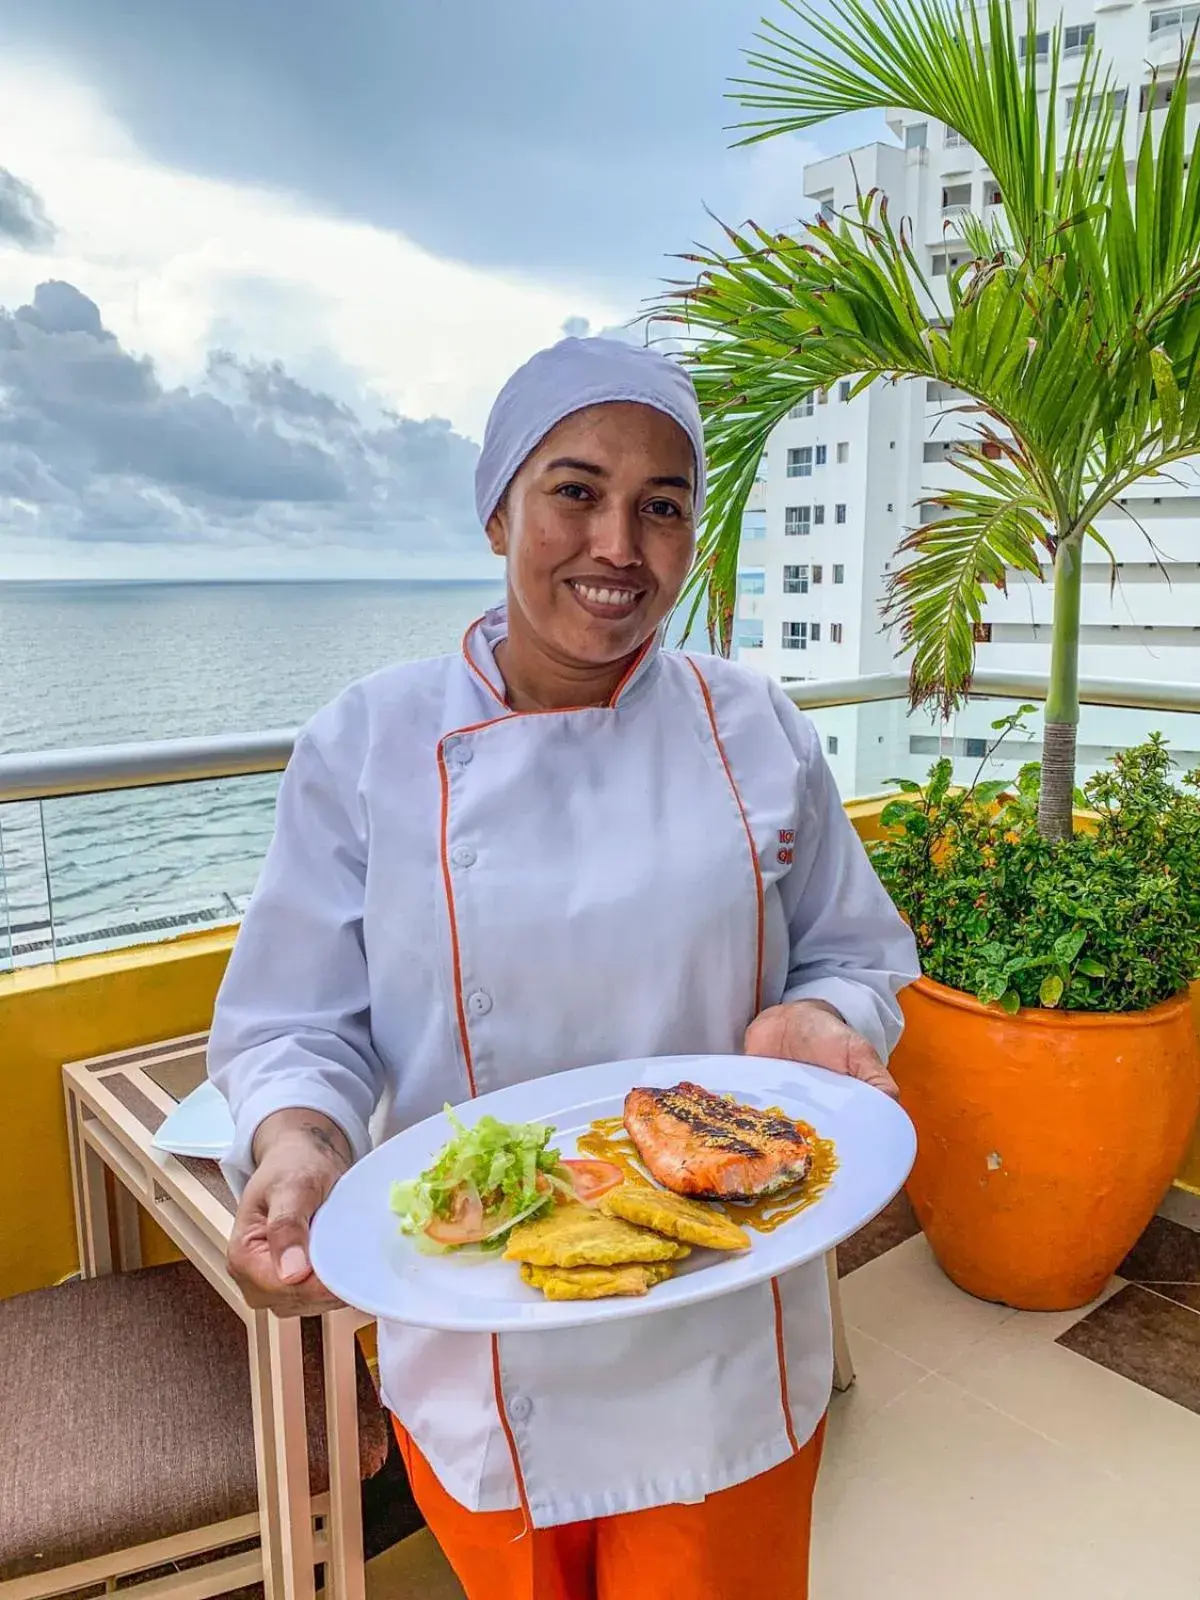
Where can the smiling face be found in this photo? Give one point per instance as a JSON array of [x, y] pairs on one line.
[[597, 531]]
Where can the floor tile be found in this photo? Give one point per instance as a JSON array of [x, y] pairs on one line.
[[1115, 1424], [941, 1497], [892, 1227], [880, 1375], [1167, 1258], [905, 1300], [1147, 1338], [415, 1569]]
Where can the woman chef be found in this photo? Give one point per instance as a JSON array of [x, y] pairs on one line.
[[564, 846]]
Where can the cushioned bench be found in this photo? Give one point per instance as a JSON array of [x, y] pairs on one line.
[[125, 1421]]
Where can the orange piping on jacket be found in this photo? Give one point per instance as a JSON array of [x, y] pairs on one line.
[[758, 879]]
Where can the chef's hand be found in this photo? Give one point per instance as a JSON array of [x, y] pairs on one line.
[[298, 1157], [812, 1031]]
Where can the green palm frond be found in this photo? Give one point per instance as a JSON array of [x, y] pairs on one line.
[[977, 538], [1073, 334]]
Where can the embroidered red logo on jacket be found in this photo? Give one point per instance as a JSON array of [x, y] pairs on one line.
[[787, 838]]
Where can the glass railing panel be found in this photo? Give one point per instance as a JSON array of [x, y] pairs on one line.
[[867, 746], [141, 865], [6, 943], [25, 922], [103, 871], [970, 741]]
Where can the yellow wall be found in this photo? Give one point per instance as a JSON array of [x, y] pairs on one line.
[[48, 1015], [97, 1004]]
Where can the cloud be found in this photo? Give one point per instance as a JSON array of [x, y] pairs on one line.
[[576, 142], [94, 448], [23, 219]]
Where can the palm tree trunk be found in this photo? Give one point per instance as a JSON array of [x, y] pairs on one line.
[[1055, 804]]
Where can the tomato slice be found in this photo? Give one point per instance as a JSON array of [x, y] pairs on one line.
[[591, 1180], [464, 1225]]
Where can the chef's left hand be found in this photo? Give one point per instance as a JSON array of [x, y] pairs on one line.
[[812, 1031]]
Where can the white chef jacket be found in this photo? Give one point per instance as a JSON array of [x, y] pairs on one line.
[[459, 897]]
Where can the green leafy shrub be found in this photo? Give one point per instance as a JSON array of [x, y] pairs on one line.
[[1107, 920]]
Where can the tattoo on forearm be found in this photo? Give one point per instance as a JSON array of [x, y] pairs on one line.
[[331, 1142]]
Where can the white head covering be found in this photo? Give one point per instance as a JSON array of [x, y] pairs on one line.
[[566, 378]]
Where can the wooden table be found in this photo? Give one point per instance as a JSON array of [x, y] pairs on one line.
[[115, 1105]]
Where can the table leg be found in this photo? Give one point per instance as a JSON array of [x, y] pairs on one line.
[[75, 1151], [264, 1454], [293, 1497], [345, 1575], [129, 1233], [94, 1233], [843, 1362]]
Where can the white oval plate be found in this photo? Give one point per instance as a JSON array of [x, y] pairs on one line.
[[200, 1125], [360, 1255]]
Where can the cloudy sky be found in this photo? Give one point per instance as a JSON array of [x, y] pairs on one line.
[[263, 265]]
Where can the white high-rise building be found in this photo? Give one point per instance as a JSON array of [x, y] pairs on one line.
[[844, 479]]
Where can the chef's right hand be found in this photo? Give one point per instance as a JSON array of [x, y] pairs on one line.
[[298, 1157]]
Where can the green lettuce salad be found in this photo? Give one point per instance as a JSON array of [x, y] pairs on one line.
[[486, 1180]]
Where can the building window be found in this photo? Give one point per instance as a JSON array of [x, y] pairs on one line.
[[818, 573], [799, 463], [981, 632], [975, 748], [795, 636], [797, 519], [815, 632], [1076, 40], [822, 454], [795, 580], [831, 744], [754, 524], [835, 633], [822, 397], [953, 140], [946, 262], [844, 391], [752, 582], [818, 516], [1161, 97], [992, 195], [1117, 97], [748, 635], [1179, 19], [839, 514], [839, 574], [916, 136], [956, 197], [843, 454], [1041, 44], [803, 408]]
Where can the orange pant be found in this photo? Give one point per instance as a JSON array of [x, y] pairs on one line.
[[752, 1539]]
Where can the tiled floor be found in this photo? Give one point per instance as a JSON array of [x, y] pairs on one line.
[[985, 1453]]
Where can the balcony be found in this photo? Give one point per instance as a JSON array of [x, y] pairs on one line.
[[966, 1418]]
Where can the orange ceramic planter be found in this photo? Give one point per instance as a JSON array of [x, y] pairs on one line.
[[1045, 1140]]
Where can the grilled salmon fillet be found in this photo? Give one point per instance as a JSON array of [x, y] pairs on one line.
[[700, 1144]]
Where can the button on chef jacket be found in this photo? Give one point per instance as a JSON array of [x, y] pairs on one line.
[[459, 898]]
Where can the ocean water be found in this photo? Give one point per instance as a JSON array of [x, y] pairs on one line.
[[88, 664]]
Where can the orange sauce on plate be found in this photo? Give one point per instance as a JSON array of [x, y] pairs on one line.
[[607, 1141]]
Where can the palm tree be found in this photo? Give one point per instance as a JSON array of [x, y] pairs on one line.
[[1073, 335]]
